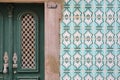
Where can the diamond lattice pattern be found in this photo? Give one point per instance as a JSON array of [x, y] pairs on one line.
[[28, 41]]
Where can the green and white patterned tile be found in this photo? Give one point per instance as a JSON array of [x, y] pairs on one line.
[[90, 40]]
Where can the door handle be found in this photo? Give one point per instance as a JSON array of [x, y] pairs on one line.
[[15, 60], [5, 62]]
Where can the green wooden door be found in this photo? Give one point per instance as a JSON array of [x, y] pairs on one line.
[[22, 41]]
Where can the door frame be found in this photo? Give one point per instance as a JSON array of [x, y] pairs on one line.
[[52, 17]]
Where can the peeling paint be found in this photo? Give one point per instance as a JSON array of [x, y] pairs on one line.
[[52, 68], [52, 64]]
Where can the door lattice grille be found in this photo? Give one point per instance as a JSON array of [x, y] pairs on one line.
[[28, 41]]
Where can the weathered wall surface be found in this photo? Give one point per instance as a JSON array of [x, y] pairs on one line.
[[52, 44]]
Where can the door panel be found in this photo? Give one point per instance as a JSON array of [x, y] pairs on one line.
[[22, 37], [1, 78], [28, 45], [5, 42], [1, 46], [28, 78], [1, 42]]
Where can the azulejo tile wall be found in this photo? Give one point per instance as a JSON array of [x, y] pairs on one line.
[[90, 40]]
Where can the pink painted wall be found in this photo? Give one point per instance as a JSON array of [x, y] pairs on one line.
[[52, 46]]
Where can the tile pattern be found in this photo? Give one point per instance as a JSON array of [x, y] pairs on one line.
[[90, 40], [28, 41]]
